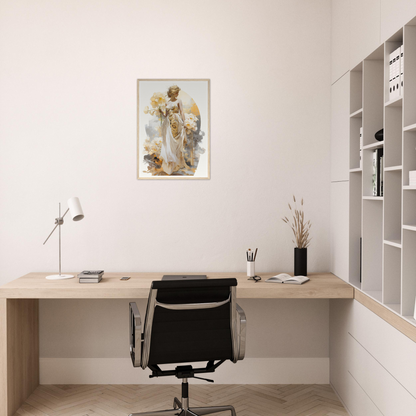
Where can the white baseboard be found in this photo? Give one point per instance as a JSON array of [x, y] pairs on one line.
[[248, 371]]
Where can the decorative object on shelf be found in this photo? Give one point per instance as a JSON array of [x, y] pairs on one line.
[[173, 121], [75, 210], [302, 239], [379, 135]]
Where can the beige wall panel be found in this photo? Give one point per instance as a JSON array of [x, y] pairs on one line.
[[339, 229], [364, 29], [394, 15], [340, 38], [340, 105]]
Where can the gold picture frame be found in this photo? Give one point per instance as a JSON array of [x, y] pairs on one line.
[[173, 129]]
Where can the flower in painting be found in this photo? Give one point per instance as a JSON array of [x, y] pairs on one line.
[[153, 147], [190, 122], [146, 110], [157, 100]]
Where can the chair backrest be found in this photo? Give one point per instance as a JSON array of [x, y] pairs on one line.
[[190, 321]]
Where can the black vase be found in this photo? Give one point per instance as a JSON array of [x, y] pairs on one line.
[[301, 261]]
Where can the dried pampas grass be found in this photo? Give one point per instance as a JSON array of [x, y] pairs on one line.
[[299, 227]]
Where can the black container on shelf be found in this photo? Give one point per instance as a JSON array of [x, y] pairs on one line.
[[301, 261]]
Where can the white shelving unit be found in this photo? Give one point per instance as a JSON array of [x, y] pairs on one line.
[[384, 227]]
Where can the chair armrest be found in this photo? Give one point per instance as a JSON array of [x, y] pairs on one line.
[[241, 331], [135, 335]]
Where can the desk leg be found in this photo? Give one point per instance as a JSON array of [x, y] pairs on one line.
[[19, 352]]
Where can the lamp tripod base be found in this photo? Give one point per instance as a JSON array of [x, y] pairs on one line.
[[60, 276]]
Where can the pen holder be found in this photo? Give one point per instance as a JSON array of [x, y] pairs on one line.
[[251, 269]]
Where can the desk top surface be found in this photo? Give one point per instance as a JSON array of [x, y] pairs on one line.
[[35, 286]]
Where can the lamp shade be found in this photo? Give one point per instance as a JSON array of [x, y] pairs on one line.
[[75, 209]]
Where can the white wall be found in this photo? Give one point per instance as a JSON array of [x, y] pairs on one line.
[[68, 77], [360, 26]]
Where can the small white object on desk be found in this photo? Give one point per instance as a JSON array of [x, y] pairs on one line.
[[251, 258], [251, 269], [287, 278]]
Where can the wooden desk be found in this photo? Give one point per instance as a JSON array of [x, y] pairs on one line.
[[19, 315]]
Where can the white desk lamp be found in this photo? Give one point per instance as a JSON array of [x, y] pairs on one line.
[[75, 210]]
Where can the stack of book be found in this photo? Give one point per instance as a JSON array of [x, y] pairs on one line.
[[378, 172], [412, 178], [91, 276]]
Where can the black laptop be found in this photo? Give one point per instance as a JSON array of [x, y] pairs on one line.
[[184, 276]]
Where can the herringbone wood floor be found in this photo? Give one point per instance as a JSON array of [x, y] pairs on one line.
[[121, 400]]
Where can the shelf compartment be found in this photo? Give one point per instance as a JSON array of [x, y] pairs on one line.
[[355, 125], [389, 47], [409, 208], [392, 205], [393, 131], [392, 275], [395, 307], [373, 104], [372, 246], [409, 155], [375, 294], [409, 273], [409, 115], [356, 89], [367, 155], [355, 215]]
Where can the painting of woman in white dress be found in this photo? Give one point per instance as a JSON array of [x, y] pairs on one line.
[[173, 139]]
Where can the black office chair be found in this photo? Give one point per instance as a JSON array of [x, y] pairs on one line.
[[186, 322]]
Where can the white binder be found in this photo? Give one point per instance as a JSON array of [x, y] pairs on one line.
[[395, 89], [401, 69], [391, 57]]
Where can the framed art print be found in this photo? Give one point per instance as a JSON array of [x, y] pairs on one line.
[[173, 120]]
